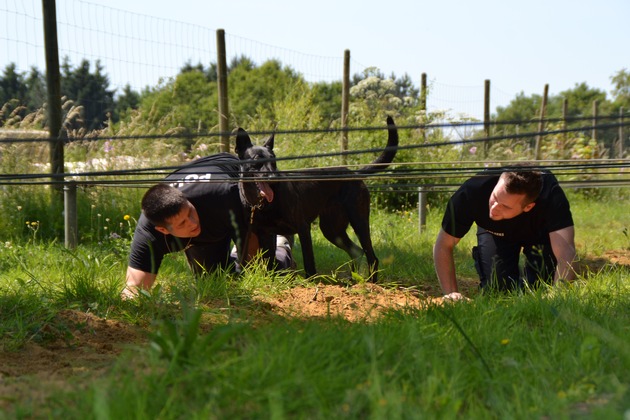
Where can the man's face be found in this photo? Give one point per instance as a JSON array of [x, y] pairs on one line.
[[184, 224], [505, 206]]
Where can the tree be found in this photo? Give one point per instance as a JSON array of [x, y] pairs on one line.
[[89, 90], [621, 90], [328, 97], [128, 100], [12, 85], [36, 94], [373, 96], [188, 102], [580, 100], [252, 87]]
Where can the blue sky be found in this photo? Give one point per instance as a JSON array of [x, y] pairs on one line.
[[519, 46]]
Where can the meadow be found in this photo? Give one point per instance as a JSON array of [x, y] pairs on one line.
[[253, 346], [277, 345]]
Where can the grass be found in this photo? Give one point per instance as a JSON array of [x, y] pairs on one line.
[[213, 352], [557, 355]]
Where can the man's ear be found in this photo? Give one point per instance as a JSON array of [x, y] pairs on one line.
[[162, 230], [529, 207]]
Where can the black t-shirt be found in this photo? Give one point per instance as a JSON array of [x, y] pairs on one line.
[[218, 204], [470, 203]]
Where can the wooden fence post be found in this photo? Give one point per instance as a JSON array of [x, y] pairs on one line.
[[541, 124], [621, 139], [594, 129], [423, 104], [222, 83], [423, 92], [53, 83], [345, 106], [486, 117], [565, 113]]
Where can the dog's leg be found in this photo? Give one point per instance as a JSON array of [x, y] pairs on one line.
[[358, 212], [362, 230], [308, 255], [334, 224]]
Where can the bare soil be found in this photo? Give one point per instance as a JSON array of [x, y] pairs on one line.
[[89, 345]]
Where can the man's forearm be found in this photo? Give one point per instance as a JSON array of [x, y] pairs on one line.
[[137, 279], [564, 267], [445, 270]]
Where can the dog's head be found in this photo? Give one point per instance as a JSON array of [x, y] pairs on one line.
[[258, 164]]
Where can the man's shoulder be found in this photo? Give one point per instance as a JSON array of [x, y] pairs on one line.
[[220, 162], [481, 181], [220, 167]]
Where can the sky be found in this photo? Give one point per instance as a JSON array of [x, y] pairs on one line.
[[519, 46]]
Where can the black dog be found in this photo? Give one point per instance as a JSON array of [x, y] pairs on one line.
[[284, 205]]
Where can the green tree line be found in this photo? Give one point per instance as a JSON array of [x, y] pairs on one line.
[[189, 101]]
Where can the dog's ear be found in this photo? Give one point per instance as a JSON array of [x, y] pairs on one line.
[[269, 143], [243, 142]]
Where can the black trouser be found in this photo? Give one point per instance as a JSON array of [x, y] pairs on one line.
[[497, 262], [208, 257]]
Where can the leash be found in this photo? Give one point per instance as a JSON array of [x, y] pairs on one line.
[[241, 259]]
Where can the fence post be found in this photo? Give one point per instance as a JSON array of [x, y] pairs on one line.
[[423, 104], [53, 83], [222, 83], [422, 208], [595, 109], [486, 117], [565, 113], [345, 106], [70, 214], [541, 124], [620, 133]]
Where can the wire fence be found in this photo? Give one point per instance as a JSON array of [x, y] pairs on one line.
[[142, 51], [577, 173]]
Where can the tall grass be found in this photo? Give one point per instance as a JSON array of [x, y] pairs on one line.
[[560, 354]]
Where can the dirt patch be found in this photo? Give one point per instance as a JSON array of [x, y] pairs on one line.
[[362, 302], [88, 345], [593, 265]]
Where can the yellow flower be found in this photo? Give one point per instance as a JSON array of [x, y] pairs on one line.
[[126, 217], [505, 341]]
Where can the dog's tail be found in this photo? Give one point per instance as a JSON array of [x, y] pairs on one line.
[[387, 155]]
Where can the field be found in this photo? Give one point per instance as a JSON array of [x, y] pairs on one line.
[[276, 345]]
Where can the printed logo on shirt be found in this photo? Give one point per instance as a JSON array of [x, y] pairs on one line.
[[495, 233], [191, 178]]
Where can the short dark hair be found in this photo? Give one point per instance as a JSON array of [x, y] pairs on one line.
[[162, 202], [523, 182]]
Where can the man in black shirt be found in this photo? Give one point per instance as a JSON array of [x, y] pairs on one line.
[[199, 211], [514, 209]]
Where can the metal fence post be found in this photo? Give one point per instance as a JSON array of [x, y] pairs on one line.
[[70, 214]]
